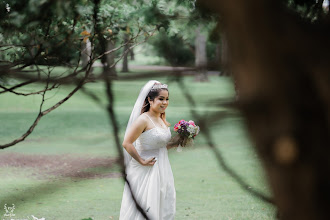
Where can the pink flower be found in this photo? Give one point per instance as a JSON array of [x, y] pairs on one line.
[[191, 123]]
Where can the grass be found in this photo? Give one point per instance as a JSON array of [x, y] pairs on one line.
[[80, 127]]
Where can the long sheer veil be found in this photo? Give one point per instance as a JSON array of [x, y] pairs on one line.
[[136, 112]]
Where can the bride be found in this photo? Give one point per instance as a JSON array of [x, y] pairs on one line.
[[149, 174]]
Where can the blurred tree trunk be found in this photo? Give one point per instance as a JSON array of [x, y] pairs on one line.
[[215, 62], [224, 55], [110, 58], [86, 52], [281, 66], [126, 52], [200, 56], [218, 54], [131, 52]]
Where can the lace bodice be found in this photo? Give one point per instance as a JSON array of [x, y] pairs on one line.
[[154, 138]]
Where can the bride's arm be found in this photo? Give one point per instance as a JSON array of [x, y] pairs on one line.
[[174, 142], [134, 132]]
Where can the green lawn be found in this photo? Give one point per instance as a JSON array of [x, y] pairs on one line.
[[81, 128]]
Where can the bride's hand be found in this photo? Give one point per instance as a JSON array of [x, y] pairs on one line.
[[149, 162]]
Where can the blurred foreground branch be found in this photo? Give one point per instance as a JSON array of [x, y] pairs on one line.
[[280, 62]]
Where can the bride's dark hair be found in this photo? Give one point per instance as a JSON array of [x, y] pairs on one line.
[[152, 95]]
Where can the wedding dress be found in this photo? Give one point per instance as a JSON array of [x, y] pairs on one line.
[[153, 186]]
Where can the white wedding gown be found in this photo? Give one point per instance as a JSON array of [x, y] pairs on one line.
[[152, 186]]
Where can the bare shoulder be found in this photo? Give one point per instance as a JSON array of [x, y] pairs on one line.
[[141, 121], [136, 129]]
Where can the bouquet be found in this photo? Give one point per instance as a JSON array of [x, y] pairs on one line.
[[187, 131]]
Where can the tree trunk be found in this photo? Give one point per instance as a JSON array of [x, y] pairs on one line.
[[131, 52], [281, 66], [126, 52], [110, 59], [218, 56], [200, 57], [86, 52], [224, 55]]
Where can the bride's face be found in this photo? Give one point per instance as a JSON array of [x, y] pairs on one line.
[[160, 103]]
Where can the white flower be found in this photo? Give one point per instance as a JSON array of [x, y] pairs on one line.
[[7, 7], [191, 130], [197, 130]]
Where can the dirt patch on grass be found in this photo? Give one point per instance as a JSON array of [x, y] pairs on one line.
[[65, 165]]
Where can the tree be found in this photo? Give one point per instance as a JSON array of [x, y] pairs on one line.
[[200, 56], [279, 59], [178, 43], [126, 51], [47, 34]]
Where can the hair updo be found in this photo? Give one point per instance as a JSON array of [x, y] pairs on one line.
[[153, 93]]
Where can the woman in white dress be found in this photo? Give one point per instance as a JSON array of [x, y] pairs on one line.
[[147, 139]]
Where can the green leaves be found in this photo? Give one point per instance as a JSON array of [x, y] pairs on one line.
[[309, 10], [56, 25]]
